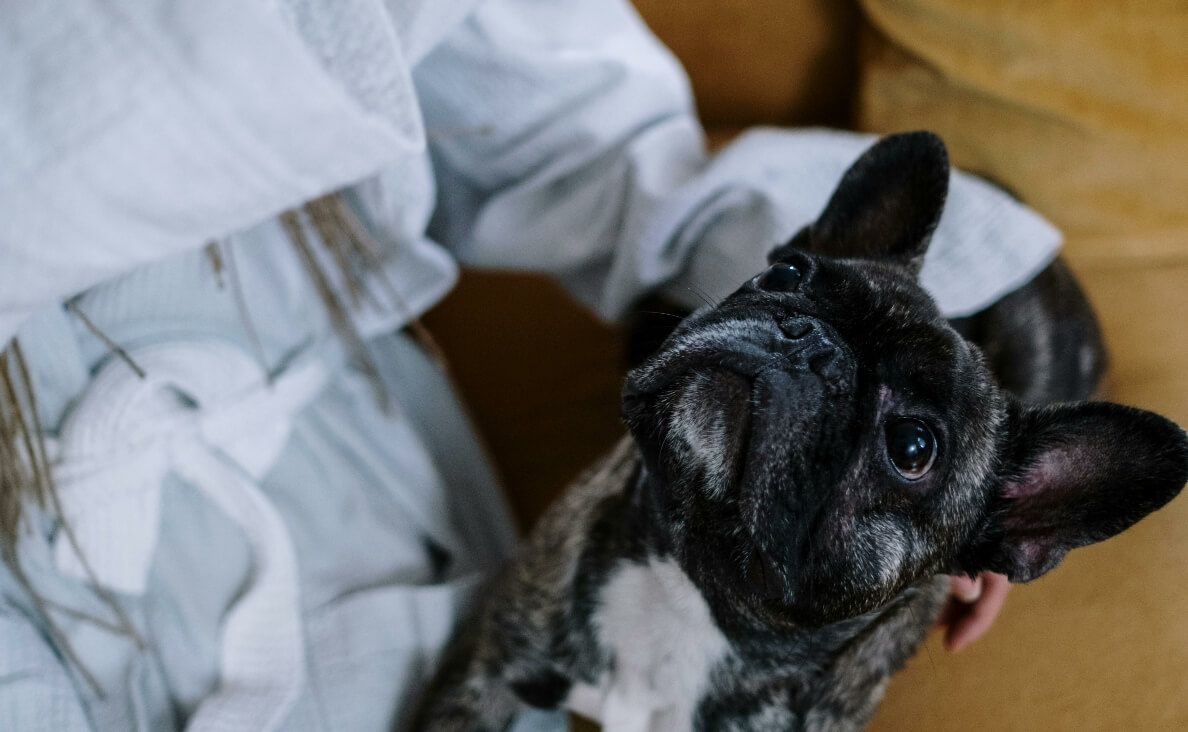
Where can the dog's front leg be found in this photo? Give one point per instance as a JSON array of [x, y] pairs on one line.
[[467, 694]]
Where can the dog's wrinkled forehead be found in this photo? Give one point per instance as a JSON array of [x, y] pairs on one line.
[[883, 315], [857, 293], [875, 311]]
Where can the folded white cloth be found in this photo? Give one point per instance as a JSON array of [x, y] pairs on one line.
[[986, 244], [205, 411]]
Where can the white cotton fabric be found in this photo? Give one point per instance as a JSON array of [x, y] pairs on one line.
[[557, 137]]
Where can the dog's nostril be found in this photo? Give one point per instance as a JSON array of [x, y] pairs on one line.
[[797, 328], [827, 365]]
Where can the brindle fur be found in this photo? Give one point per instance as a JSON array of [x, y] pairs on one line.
[[757, 466], [536, 633]]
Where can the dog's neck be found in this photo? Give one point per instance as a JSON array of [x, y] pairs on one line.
[[761, 635]]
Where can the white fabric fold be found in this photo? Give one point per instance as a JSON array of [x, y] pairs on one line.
[[766, 185], [205, 412], [262, 648]]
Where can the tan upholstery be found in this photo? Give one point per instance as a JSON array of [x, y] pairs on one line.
[[1082, 110], [763, 62]]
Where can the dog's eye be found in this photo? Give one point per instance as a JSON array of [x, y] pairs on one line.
[[780, 277], [911, 447]]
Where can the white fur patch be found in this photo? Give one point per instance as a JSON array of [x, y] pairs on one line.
[[665, 644]]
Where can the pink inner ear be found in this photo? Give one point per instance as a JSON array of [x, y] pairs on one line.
[[1053, 468]]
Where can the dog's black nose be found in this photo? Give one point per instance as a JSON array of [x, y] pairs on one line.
[[815, 345], [828, 364]]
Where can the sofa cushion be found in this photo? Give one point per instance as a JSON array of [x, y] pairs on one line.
[[1080, 112], [1080, 109]]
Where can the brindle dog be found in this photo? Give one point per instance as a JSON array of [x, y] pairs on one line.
[[807, 462]]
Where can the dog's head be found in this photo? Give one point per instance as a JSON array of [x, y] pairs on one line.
[[823, 439]]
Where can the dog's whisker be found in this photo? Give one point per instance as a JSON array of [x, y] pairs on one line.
[[674, 316], [700, 294]]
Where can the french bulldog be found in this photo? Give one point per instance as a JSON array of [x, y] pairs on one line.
[[808, 461]]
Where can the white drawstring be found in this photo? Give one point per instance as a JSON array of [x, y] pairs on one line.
[[206, 413], [261, 650]]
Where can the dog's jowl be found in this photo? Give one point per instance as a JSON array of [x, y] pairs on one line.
[[807, 462]]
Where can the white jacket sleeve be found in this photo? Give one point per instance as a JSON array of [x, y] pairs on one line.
[[565, 139]]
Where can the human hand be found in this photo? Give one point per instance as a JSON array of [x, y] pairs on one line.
[[972, 607]]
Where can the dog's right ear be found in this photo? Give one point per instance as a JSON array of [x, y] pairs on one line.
[[886, 206], [1075, 474]]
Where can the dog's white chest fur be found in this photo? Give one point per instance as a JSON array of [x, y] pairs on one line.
[[664, 643]]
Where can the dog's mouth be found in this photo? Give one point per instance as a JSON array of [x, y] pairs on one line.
[[673, 372], [715, 417], [731, 393], [745, 348], [721, 424], [696, 422]]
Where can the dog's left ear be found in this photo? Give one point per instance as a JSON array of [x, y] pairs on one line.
[[886, 206], [1075, 474]]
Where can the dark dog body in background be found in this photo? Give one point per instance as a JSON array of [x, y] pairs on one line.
[[808, 460]]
